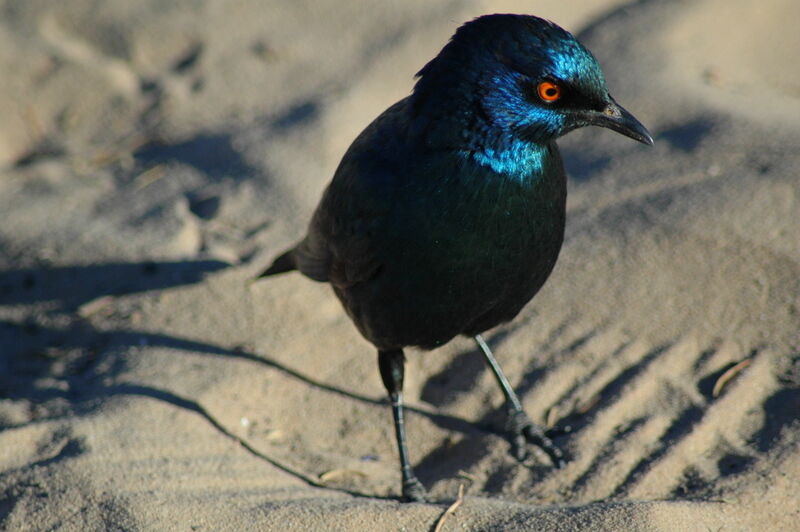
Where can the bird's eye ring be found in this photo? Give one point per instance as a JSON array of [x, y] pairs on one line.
[[549, 91]]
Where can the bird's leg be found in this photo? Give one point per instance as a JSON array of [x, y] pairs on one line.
[[391, 364], [522, 430]]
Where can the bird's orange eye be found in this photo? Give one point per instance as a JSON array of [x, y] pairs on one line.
[[549, 91]]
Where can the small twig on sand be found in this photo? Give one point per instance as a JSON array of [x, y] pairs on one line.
[[148, 177], [728, 376], [440, 523]]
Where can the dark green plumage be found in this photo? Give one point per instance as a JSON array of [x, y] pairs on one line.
[[446, 215]]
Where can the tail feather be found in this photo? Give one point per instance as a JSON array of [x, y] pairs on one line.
[[284, 263]]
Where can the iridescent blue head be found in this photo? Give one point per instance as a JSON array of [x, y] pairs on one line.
[[506, 80]]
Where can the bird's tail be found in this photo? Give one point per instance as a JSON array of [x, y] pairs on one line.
[[284, 263]]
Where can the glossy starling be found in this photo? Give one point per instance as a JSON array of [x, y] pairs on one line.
[[446, 214]]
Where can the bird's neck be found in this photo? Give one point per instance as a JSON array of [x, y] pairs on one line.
[[518, 160]]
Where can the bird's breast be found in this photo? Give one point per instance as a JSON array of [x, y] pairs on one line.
[[471, 252], [477, 217]]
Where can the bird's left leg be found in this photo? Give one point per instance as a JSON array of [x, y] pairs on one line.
[[521, 429]]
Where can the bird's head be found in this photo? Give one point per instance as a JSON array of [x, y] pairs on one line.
[[511, 78]]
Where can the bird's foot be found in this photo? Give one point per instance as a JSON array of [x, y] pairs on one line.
[[523, 431], [414, 491]]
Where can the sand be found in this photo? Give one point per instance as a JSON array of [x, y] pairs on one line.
[[153, 159]]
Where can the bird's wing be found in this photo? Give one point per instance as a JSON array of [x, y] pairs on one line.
[[341, 245]]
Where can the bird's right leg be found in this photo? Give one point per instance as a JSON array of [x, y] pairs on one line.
[[520, 426], [392, 367]]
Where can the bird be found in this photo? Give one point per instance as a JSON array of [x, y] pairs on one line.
[[447, 213]]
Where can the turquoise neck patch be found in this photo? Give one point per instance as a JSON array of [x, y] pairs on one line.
[[520, 161]]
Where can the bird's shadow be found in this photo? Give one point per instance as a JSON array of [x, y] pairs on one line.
[[52, 355]]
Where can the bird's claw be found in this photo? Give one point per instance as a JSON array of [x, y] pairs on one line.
[[523, 431], [558, 430], [414, 491]]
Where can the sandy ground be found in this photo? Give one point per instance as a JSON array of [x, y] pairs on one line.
[[153, 158]]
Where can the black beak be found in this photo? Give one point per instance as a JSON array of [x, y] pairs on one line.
[[615, 117]]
